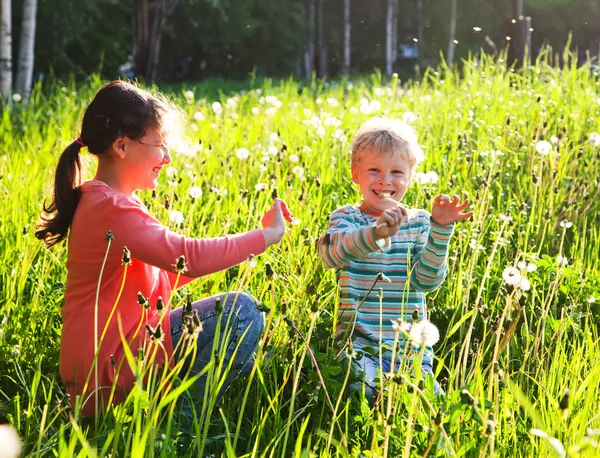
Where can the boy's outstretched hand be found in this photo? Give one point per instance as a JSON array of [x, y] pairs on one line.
[[446, 211], [390, 221], [273, 222]]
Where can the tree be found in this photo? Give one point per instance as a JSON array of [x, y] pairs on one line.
[[347, 28], [389, 34], [452, 40], [151, 21], [5, 48], [321, 46], [310, 42], [26, 46]]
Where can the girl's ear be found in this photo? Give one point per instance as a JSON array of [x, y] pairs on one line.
[[118, 147]]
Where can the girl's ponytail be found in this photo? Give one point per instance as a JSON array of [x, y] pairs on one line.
[[67, 182]]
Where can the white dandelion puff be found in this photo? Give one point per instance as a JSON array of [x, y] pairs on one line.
[[260, 187], [543, 147], [293, 158], [17, 97], [195, 192], [511, 276], [10, 442], [171, 171], [217, 108], [242, 153], [176, 217], [199, 116], [594, 139], [409, 117], [425, 333], [562, 260]]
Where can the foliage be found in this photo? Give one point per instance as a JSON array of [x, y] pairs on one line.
[[507, 354]]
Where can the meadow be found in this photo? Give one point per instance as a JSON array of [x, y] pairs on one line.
[[518, 313]]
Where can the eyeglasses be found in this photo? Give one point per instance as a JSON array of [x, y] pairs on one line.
[[160, 145]]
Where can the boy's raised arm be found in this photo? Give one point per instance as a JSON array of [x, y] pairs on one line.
[[429, 263], [345, 240]]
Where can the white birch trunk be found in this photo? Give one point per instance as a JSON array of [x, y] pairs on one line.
[[388, 37], [451, 44], [310, 45], [5, 48], [395, 33], [26, 48], [346, 36]]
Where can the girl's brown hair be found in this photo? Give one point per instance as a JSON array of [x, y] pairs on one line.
[[118, 109]]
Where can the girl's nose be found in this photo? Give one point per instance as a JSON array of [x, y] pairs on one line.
[[166, 156]]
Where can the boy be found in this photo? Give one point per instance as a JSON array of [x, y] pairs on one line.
[[408, 246]]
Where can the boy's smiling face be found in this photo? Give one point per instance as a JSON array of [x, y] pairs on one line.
[[383, 179]]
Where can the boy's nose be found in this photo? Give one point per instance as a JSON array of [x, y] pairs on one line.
[[167, 157]]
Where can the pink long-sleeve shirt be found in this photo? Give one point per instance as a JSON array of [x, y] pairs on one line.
[[154, 252]]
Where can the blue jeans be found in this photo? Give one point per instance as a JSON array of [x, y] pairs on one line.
[[242, 326], [370, 366]]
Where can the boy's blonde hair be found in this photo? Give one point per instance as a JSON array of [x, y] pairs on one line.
[[382, 135]]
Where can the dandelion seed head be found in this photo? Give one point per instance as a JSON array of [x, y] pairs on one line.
[[543, 147], [425, 333], [217, 108], [10, 442], [199, 116], [242, 153], [17, 97], [176, 217], [195, 192], [562, 260]]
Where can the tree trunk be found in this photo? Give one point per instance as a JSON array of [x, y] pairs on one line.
[[309, 59], [420, 44], [395, 33], [518, 8], [451, 43], [5, 49], [388, 37], [150, 37], [26, 47], [346, 36], [322, 47]]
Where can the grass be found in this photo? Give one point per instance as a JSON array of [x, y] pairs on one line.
[[519, 367]]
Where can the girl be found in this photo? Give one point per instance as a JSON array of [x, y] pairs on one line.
[[126, 128]]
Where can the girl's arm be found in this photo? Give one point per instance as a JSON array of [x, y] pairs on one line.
[[152, 243]]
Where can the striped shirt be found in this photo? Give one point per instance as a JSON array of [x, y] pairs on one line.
[[414, 260]]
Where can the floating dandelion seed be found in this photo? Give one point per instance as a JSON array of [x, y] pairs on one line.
[[175, 216], [10, 442], [242, 153], [425, 333], [477, 29], [543, 147], [195, 192]]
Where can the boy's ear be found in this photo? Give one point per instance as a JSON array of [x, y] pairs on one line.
[[354, 174], [118, 147]]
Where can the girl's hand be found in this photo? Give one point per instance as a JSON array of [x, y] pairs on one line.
[[273, 222], [390, 221], [446, 211]]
